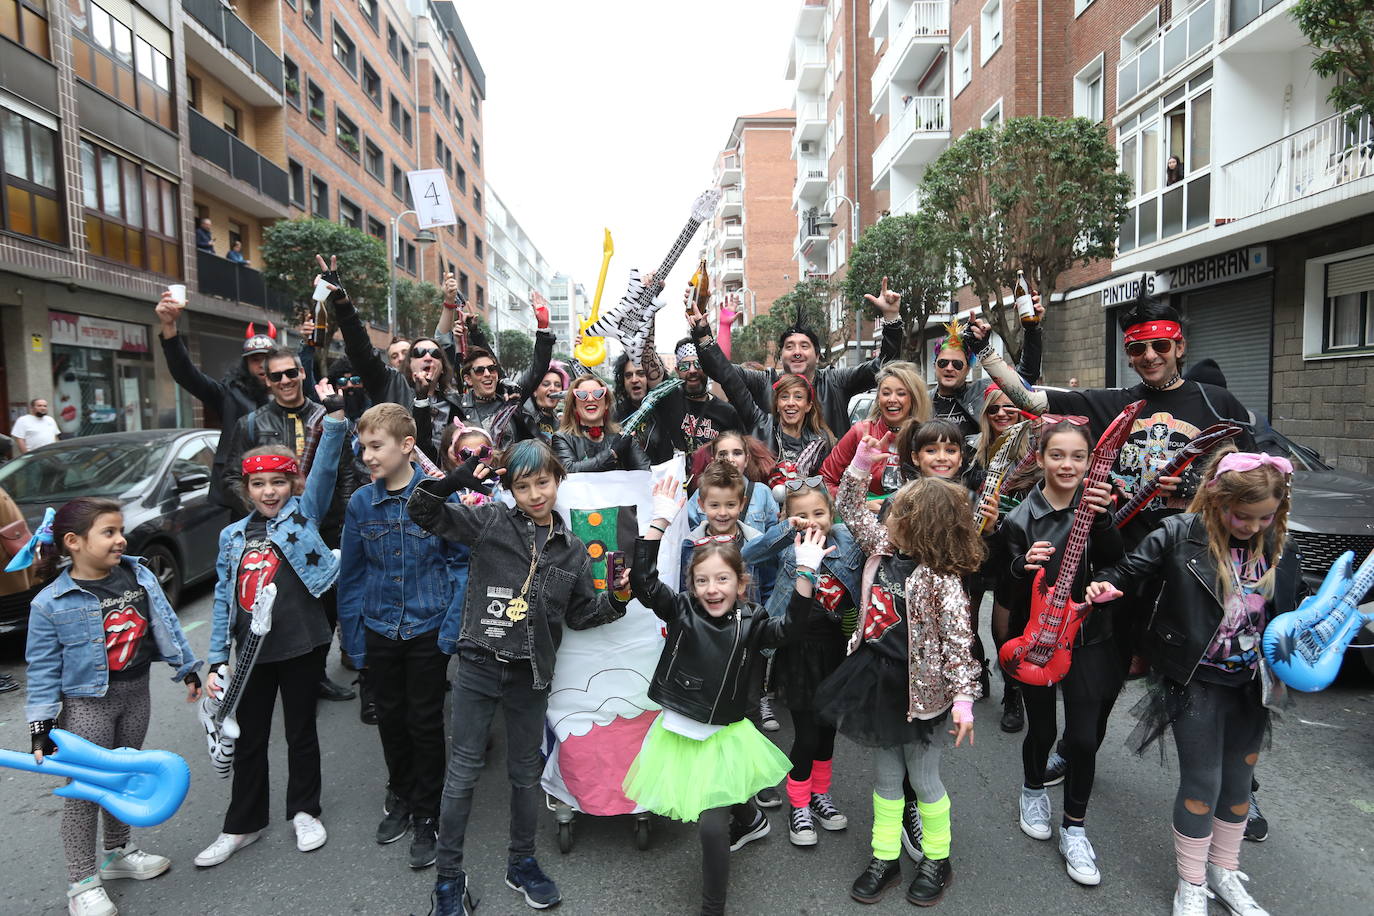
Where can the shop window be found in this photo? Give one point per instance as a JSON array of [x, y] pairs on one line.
[[130, 212], [25, 22], [32, 205]]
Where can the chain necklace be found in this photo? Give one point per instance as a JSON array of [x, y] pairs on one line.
[[518, 607], [1166, 386]]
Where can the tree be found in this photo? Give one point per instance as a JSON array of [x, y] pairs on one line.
[[288, 258], [417, 307], [1037, 194], [1342, 32], [751, 342], [516, 349], [905, 249]]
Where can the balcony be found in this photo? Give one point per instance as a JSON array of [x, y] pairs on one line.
[[915, 138], [732, 202], [811, 179], [811, 122], [806, 65], [914, 44], [877, 18], [1179, 41], [253, 70], [224, 279], [1244, 12], [727, 170], [811, 238], [236, 173], [909, 204], [731, 269], [732, 236]]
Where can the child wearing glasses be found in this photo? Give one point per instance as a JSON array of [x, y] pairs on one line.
[[760, 508], [798, 668], [721, 493], [588, 437]]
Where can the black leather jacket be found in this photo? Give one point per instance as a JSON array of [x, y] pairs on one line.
[[703, 672], [579, 453], [1189, 610]]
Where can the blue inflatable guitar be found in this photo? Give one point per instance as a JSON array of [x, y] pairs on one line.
[[141, 788], [1305, 645]]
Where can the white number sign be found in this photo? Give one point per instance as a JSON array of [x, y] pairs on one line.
[[433, 204]]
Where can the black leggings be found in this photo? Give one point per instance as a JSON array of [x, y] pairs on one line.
[[1090, 690], [1218, 733], [714, 830], [812, 740]]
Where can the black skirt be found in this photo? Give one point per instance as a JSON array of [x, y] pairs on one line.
[[799, 668], [866, 700]]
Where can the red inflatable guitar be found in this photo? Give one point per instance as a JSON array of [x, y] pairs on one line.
[[1041, 655], [1205, 441]]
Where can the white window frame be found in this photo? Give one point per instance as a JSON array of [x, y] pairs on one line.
[[995, 109], [1080, 6], [1314, 307], [841, 253], [1132, 38], [963, 49], [838, 121], [990, 32], [1082, 80], [837, 60]]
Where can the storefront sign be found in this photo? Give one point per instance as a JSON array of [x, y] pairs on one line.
[[1127, 289], [99, 333], [1219, 268]]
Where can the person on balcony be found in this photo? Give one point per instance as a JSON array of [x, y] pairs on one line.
[[235, 253], [205, 240], [1173, 170]]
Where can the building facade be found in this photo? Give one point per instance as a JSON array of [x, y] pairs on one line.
[[568, 303], [516, 270]]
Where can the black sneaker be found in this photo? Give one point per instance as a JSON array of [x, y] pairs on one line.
[[525, 875], [743, 834], [880, 875], [332, 691], [1013, 714], [985, 682], [933, 878], [8, 683], [766, 717], [396, 821], [451, 897], [1256, 824], [367, 707], [1055, 768], [911, 831], [768, 798], [423, 843]]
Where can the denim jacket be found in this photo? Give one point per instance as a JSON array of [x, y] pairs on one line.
[[66, 643], [395, 578], [845, 564], [762, 574], [295, 531]]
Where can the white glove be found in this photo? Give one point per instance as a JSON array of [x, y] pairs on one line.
[[666, 501], [810, 549]]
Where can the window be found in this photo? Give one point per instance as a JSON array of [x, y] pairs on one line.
[[345, 51], [963, 61], [395, 104], [481, 297], [1349, 295], [1087, 91], [134, 69], [443, 155], [462, 234], [315, 99], [296, 172], [372, 84], [193, 91], [25, 22], [441, 97], [238, 232], [400, 120], [131, 213], [989, 30], [1166, 202], [319, 198], [993, 116], [376, 228], [457, 72], [369, 11], [477, 200], [397, 49], [476, 153], [458, 123], [838, 121], [477, 247], [463, 284], [405, 60], [398, 182], [32, 205], [292, 82], [231, 118], [476, 105], [311, 14], [841, 250], [1080, 5], [405, 256], [407, 127], [373, 161], [349, 213], [460, 178], [346, 133]]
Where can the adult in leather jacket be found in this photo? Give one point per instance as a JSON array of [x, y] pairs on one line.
[[611, 452], [1189, 609], [962, 403], [706, 674]]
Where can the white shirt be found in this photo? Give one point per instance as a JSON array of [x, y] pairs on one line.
[[35, 431]]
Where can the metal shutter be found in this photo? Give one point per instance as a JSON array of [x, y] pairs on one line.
[[1353, 276], [1233, 324]]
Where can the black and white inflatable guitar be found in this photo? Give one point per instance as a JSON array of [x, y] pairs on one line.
[[217, 713]]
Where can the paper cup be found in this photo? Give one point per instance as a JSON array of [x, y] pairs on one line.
[[321, 291], [178, 291]]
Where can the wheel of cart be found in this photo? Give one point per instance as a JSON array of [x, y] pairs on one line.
[[564, 815], [642, 822]]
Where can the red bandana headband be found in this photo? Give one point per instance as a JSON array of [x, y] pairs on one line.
[[260, 464], [1154, 330]]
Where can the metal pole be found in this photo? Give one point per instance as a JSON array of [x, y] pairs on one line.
[[391, 278]]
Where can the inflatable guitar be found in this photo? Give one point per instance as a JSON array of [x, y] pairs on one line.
[[1203, 443], [217, 714], [632, 318], [141, 788], [1042, 654], [1305, 646], [592, 350], [631, 424], [1002, 457]]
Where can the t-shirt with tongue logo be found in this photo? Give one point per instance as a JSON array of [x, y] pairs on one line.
[[124, 607], [298, 619]]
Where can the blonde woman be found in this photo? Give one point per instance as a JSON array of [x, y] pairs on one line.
[[901, 396], [588, 439]]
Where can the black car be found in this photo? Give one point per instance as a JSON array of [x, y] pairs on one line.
[[162, 479]]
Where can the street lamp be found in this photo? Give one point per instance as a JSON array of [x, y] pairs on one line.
[[422, 238], [827, 222]]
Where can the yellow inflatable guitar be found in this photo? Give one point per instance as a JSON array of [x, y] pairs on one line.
[[592, 350]]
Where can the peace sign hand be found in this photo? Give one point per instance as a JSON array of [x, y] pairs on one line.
[[887, 302], [329, 272]]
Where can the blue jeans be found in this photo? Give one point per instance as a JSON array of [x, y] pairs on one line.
[[482, 684]]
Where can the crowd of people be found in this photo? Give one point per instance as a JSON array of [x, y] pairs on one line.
[[407, 500]]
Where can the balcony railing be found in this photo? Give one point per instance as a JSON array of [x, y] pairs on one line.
[[923, 114], [810, 167], [1244, 12], [226, 280], [1176, 43], [909, 204], [1327, 154], [240, 160], [234, 34], [810, 231], [925, 19], [810, 53]]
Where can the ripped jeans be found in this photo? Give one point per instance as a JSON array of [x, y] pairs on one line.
[[1218, 734]]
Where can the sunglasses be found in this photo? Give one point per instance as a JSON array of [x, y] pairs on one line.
[[713, 539], [1002, 408], [688, 365], [797, 483], [467, 453], [285, 373], [589, 394], [488, 369], [1161, 346], [348, 380], [955, 364], [422, 352]]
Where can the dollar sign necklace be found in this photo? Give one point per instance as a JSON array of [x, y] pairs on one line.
[[518, 607]]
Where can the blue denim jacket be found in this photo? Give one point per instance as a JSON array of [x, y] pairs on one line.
[[66, 645], [396, 578], [845, 564], [294, 531]]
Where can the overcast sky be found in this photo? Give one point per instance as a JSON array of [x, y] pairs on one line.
[[609, 114]]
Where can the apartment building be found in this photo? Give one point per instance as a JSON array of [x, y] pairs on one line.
[[515, 269], [749, 242], [568, 303], [127, 124]]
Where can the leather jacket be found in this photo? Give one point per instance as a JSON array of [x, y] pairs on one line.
[[582, 453], [703, 672], [1189, 609], [970, 396]]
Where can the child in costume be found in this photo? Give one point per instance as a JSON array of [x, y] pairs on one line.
[[909, 664], [703, 759], [94, 633]]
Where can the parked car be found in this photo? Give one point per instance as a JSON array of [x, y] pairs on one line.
[[161, 478]]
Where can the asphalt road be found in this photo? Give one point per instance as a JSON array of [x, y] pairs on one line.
[[1318, 792]]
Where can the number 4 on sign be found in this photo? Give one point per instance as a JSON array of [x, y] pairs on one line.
[[433, 203]]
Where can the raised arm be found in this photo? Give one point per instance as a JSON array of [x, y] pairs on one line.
[[731, 378], [184, 372], [324, 468], [852, 504], [864, 376], [429, 508], [645, 583]]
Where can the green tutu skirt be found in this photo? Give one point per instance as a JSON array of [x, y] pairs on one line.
[[681, 777]]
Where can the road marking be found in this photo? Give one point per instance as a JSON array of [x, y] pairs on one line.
[[1322, 724], [186, 628]]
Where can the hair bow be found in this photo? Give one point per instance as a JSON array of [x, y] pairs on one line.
[[1248, 461], [1053, 418], [25, 557]]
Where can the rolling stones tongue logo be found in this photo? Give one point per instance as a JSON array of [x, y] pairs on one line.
[[258, 568], [123, 629], [830, 592]]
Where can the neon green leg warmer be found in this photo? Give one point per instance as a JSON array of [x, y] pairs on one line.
[[887, 827], [935, 829]]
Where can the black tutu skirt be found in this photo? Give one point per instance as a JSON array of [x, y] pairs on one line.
[[799, 668], [866, 700], [1164, 702]]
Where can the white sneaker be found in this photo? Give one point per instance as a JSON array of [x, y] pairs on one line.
[[1229, 888], [1080, 861], [88, 898], [127, 862], [1191, 899], [1035, 814], [309, 832], [224, 846]]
